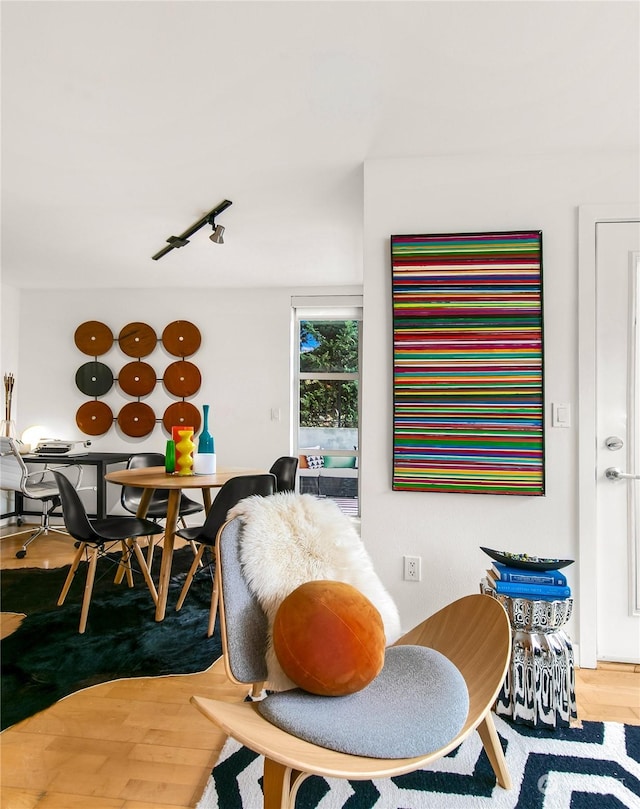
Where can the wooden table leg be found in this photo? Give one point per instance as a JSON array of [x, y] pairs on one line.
[[206, 499], [141, 512], [143, 505], [173, 508]]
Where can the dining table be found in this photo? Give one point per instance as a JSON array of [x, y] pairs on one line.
[[155, 477]]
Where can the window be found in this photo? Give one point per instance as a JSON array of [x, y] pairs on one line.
[[327, 385]]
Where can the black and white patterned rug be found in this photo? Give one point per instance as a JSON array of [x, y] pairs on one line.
[[596, 766]]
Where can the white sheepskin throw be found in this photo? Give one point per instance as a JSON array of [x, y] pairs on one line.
[[289, 539]]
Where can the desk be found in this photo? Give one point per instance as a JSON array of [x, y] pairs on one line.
[[154, 477], [101, 461]]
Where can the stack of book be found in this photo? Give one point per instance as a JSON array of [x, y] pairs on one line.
[[542, 585]]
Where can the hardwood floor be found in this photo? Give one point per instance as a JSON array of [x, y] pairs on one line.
[[140, 744], [610, 693]]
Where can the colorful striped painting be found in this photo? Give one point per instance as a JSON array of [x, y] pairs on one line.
[[467, 363]]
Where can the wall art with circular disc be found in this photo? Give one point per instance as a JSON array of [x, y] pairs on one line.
[[94, 418], [181, 338], [137, 339], [93, 338], [94, 378], [182, 378], [136, 419], [137, 378], [179, 414]]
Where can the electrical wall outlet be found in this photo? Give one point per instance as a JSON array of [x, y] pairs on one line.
[[412, 568]]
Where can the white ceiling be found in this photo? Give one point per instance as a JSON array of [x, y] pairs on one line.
[[125, 122]]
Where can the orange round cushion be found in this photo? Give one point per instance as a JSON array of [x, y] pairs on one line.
[[329, 638]]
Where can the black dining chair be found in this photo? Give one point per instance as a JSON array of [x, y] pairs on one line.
[[230, 493], [97, 538], [130, 497], [285, 469]]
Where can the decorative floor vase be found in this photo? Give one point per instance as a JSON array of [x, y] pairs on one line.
[[8, 428]]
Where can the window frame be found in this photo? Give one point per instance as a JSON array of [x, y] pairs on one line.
[[334, 308]]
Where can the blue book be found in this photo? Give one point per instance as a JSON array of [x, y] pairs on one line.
[[533, 591], [520, 576]]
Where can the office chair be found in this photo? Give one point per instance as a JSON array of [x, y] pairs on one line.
[[472, 633], [285, 469], [97, 538], [230, 493], [130, 497], [38, 485]]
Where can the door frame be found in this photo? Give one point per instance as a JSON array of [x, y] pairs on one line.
[[589, 216]]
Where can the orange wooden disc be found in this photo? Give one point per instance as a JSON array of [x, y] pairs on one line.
[[182, 378], [136, 419], [93, 338], [94, 418], [181, 338], [179, 414], [137, 378], [137, 339]]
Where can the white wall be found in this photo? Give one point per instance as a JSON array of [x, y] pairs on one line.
[[244, 360], [465, 194], [9, 329]]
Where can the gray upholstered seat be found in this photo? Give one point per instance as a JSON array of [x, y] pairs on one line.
[[416, 705]]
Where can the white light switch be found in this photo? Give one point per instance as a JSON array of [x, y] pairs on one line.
[[561, 414], [275, 414]]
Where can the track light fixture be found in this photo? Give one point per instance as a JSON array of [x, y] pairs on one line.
[[218, 232], [207, 219]]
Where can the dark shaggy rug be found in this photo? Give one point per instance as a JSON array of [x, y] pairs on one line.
[[46, 658]]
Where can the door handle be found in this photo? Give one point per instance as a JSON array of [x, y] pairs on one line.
[[613, 473]]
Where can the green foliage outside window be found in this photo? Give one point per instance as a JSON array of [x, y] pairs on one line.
[[328, 347]]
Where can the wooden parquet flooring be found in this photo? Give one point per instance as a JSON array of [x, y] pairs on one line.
[[140, 744], [129, 744]]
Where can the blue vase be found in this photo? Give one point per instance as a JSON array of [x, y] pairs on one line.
[[205, 442]]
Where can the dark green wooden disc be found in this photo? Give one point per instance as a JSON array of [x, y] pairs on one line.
[[94, 378]]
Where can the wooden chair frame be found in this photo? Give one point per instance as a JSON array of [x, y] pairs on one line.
[[93, 553], [473, 632]]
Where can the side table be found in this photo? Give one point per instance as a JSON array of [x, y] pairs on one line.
[[539, 689]]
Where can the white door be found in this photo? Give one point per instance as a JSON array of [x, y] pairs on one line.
[[617, 440]]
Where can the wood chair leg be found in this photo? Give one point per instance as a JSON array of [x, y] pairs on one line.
[[213, 609], [127, 551], [150, 549], [145, 572], [119, 571], [276, 785], [124, 566], [189, 579], [72, 572], [194, 548], [493, 749], [88, 589]]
